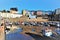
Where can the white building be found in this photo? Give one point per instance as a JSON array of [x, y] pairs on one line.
[[10, 15]]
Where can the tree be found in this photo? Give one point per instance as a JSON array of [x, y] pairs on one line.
[[14, 9], [4, 11]]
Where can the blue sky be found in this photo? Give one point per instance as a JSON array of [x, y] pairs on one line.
[[30, 4]]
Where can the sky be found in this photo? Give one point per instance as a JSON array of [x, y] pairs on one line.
[[30, 4]]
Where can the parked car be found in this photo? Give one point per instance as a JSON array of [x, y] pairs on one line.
[[38, 23], [52, 23], [26, 23], [16, 23], [58, 24], [45, 24], [33, 30], [33, 23]]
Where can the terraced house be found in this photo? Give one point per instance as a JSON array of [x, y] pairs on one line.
[[13, 13]]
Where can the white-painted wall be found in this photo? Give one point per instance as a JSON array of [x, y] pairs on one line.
[[9, 15]]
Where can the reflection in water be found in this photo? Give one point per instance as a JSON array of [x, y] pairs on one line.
[[17, 36]]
